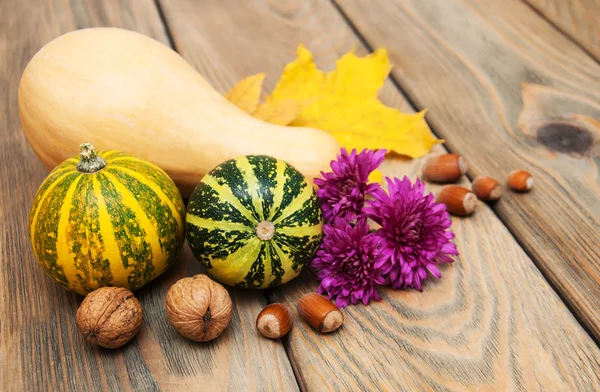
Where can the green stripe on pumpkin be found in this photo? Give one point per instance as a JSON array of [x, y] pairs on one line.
[[213, 244], [156, 175], [251, 185], [308, 215], [111, 155], [265, 173], [136, 252], [157, 211], [288, 273], [46, 229], [293, 188], [256, 275], [298, 249], [206, 202], [52, 181], [84, 237], [277, 270], [71, 162], [229, 175], [245, 256], [278, 190]]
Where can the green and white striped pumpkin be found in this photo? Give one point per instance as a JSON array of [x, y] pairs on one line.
[[254, 222], [109, 219]]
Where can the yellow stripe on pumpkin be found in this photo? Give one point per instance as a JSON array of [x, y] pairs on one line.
[[69, 164], [296, 204], [301, 231], [38, 202], [251, 181], [235, 272], [136, 160], [285, 262], [70, 161], [268, 262], [226, 194], [107, 153], [63, 248], [159, 192], [216, 225], [278, 192], [118, 271], [152, 235]]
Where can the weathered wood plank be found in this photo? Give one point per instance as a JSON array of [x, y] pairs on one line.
[[492, 322], [579, 19], [470, 63], [40, 348]]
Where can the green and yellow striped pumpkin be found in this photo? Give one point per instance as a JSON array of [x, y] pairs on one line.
[[107, 219], [254, 222]]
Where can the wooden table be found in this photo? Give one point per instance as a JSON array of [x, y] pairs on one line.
[[518, 310]]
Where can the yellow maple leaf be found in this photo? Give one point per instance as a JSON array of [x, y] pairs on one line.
[[246, 93], [246, 96], [344, 102], [281, 112]]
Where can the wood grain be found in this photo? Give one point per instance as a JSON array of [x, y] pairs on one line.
[[470, 63], [40, 348], [579, 19], [492, 322]]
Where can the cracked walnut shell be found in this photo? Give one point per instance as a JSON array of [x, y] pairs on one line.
[[199, 308], [109, 317]]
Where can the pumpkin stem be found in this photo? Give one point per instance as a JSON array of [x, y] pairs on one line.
[[89, 162], [265, 230]]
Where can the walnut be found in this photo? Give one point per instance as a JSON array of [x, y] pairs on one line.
[[199, 308], [109, 317]]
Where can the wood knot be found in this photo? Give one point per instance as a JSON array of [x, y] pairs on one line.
[[565, 138], [561, 121]]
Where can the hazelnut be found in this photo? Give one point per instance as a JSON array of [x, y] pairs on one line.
[[445, 168], [199, 308], [520, 180], [109, 317], [458, 200], [320, 312], [486, 188], [274, 321]]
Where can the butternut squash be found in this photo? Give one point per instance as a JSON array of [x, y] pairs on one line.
[[120, 89]]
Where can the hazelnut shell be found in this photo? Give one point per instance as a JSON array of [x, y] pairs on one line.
[[320, 312], [445, 168], [520, 180], [458, 200], [486, 188], [274, 321]]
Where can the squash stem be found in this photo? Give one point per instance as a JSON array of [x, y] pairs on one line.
[[89, 162]]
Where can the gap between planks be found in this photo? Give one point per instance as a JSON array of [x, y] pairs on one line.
[[165, 23], [57, 357], [469, 174], [408, 328], [578, 19], [284, 341]]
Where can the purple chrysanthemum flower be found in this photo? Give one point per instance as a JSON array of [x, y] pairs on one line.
[[342, 192], [414, 232], [349, 263]]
